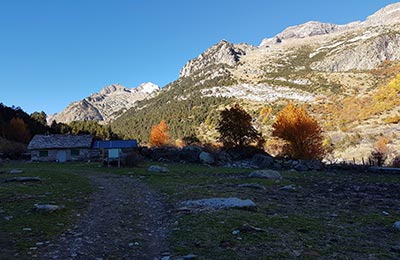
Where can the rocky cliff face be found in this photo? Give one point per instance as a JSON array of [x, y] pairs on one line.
[[106, 105], [222, 53]]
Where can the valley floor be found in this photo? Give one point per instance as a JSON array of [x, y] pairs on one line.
[[131, 213]]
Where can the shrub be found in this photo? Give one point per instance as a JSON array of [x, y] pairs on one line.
[[379, 154], [301, 131]]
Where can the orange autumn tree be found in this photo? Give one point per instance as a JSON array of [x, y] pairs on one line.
[[159, 135], [301, 131]]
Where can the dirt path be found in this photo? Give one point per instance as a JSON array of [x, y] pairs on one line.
[[124, 220]]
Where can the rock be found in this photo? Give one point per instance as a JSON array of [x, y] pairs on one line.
[[252, 185], [262, 161], [235, 232], [190, 153], [266, 174], [47, 208], [157, 168], [207, 158], [190, 256], [27, 229], [396, 225], [16, 171], [170, 154], [23, 179], [218, 203], [290, 187], [223, 157], [301, 167], [165, 258]]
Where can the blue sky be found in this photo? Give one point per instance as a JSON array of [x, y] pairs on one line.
[[53, 52]]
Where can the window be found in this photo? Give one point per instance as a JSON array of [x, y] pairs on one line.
[[75, 152], [44, 153]]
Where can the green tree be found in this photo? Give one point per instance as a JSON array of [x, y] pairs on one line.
[[235, 127]]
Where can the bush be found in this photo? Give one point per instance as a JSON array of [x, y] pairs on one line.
[[379, 154], [301, 131]]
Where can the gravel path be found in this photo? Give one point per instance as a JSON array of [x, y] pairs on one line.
[[124, 220]]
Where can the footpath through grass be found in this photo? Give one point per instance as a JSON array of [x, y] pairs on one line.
[[328, 216]]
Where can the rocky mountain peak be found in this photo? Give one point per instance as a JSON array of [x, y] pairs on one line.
[[113, 88], [148, 87], [301, 31], [387, 15], [223, 52]]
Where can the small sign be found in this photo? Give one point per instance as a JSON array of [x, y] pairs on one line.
[[113, 153]]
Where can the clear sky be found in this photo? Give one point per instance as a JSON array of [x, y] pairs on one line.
[[53, 52]]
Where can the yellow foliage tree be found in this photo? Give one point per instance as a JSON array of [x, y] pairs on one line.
[[159, 135], [301, 131]]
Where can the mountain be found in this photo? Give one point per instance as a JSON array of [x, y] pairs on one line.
[[340, 72], [107, 105]]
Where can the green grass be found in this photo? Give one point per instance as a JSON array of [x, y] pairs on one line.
[[329, 216], [60, 185]]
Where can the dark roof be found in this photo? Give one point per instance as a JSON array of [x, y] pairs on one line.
[[60, 141], [115, 144]]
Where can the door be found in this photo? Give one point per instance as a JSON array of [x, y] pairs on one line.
[[62, 156]]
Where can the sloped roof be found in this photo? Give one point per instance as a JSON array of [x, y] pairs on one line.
[[60, 141], [115, 144]]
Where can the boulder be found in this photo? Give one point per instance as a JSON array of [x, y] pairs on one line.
[[47, 208], [396, 225], [266, 174], [217, 203], [190, 153], [301, 166], [223, 157], [16, 171], [170, 154], [262, 161], [157, 168], [207, 158]]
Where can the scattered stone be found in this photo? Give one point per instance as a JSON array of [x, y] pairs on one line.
[[165, 258], [266, 174], [396, 225], [39, 243], [262, 161], [235, 232], [190, 256], [290, 187], [250, 228], [8, 218], [395, 249], [47, 208], [22, 179], [27, 229], [157, 168], [16, 171], [190, 153], [207, 158], [218, 203], [252, 185], [385, 213], [301, 167]]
